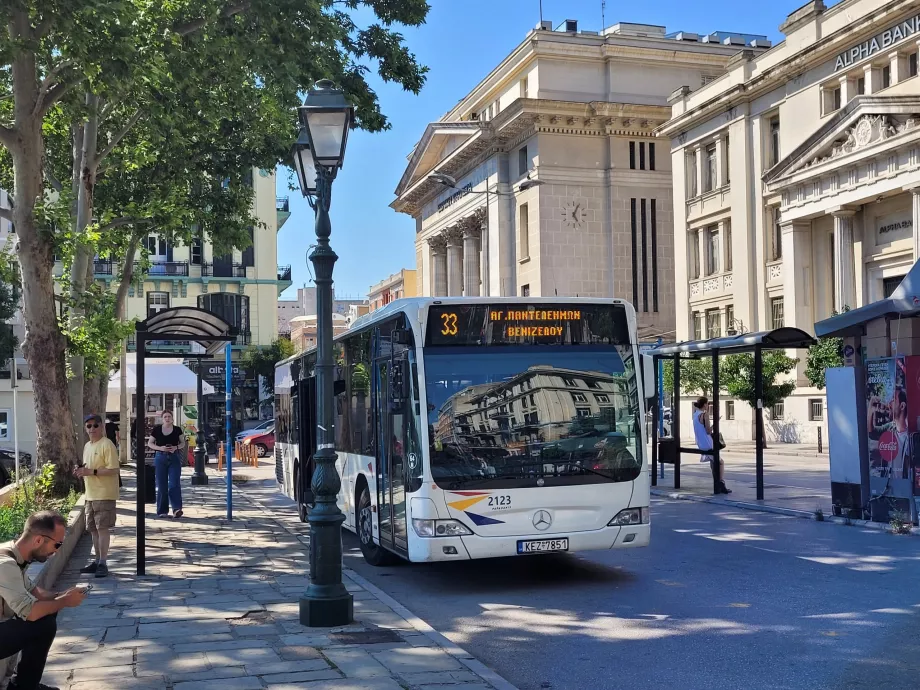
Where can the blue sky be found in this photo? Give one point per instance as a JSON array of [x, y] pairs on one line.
[[461, 43]]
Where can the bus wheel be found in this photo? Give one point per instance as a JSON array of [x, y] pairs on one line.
[[373, 553], [298, 496]]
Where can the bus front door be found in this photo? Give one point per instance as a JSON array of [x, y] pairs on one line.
[[391, 466], [305, 444]]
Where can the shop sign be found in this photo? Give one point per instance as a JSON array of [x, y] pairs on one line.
[[877, 43]]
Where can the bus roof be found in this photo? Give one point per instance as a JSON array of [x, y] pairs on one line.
[[415, 304]]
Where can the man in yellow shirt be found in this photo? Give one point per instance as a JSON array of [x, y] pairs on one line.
[[100, 477]]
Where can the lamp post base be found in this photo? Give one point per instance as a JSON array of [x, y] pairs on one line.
[[327, 612], [200, 478]]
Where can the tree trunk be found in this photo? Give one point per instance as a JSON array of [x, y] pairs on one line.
[[82, 260]]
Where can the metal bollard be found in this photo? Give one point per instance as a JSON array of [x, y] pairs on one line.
[[820, 441]]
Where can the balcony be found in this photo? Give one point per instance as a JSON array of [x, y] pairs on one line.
[[284, 278], [283, 209], [169, 269], [104, 267], [210, 270]]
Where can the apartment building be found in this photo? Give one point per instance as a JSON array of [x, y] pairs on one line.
[[548, 179], [396, 286], [797, 184]]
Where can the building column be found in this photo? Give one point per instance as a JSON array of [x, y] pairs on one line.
[[454, 262], [845, 268], [438, 247], [471, 257], [915, 199], [482, 218], [798, 275]]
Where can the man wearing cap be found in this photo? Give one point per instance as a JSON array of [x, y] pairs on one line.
[[100, 477]]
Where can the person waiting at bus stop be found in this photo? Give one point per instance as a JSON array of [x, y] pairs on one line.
[[167, 441], [702, 431]]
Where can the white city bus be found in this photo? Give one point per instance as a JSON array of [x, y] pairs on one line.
[[477, 428]]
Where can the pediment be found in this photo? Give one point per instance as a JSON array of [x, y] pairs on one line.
[[865, 126], [440, 140]]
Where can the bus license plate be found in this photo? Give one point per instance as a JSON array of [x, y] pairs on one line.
[[542, 545]]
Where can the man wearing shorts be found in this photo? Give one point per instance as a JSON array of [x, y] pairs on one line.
[[100, 477]]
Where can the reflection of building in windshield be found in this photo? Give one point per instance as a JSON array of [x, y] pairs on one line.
[[539, 406]]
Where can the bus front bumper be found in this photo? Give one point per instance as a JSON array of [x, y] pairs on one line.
[[475, 546]]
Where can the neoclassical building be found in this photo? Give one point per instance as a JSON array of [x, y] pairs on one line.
[[547, 178], [797, 184]]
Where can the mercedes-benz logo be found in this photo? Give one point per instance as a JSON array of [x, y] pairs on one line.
[[542, 520]]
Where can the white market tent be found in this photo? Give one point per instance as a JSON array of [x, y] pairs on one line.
[[162, 376]]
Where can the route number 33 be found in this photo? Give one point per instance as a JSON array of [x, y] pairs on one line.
[[449, 326]]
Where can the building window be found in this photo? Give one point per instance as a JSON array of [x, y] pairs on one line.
[[778, 411], [651, 156], [5, 425], [816, 410], [691, 175], [835, 99], [653, 220], [712, 250], [710, 181], [776, 236], [861, 86], [912, 65], [525, 290], [579, 397], [524, 88], [773, 158], [523, 162], [889, 285], [730, 319], [641, 155], [632, 155], [730, 410], [196, 251], [569, 383], [727, 240], [697, 325], [777, 314], [713, 323], [602, 398], [886, 76], [634, 250], [157, 302], [524, 231], [694, 252]]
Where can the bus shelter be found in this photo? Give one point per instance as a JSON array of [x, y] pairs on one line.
[[189, 324], [668, 450]]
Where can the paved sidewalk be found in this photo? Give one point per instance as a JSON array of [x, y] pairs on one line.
[[219, 609]]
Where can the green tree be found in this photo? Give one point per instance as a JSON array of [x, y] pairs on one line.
[[737, 375], [262, 360], [9, 303], [827, 353], [80, 80], [695, 376]]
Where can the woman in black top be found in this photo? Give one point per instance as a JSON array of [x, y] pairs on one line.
[[167, 440]]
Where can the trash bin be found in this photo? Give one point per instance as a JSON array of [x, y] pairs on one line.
[[150, 484], [667, 451]]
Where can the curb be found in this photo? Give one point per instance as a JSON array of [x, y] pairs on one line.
[[461, 655], [789, 512]]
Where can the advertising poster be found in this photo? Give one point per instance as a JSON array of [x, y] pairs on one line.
[[889, 424]]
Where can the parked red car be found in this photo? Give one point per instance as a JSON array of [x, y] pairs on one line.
[[264, 442]]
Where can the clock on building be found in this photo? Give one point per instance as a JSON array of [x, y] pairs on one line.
[[573, 214]]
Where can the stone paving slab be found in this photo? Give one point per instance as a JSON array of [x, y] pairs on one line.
[[218, 610]]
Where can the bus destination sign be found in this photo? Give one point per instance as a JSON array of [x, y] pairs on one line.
[[524, 324]]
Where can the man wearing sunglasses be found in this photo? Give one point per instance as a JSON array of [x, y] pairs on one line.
[[100, 478], [28, 614]]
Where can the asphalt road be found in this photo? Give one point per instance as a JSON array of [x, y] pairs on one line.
[[721, 599]]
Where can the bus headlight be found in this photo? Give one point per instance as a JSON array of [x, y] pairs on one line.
[[630, 516], [440, 528]]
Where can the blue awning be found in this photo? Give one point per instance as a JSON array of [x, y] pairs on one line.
[[904, 302]]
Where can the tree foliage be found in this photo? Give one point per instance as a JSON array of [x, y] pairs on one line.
[[262, 360], [9, 303], [737, 376], [695, 376], [827, 353]]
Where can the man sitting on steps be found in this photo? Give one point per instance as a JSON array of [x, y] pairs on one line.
[[28, 614]]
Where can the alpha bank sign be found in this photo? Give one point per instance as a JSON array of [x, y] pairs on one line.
[[878, 43]]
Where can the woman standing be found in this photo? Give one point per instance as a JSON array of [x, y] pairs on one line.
[[702, 431], [167, 440]]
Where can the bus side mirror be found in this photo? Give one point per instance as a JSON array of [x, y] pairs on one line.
[[649, 376], [399, 380]]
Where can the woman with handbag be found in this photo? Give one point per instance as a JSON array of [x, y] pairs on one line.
[[702, 431]]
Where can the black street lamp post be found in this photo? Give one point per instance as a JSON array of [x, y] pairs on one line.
[[200, 478], [326, 118]]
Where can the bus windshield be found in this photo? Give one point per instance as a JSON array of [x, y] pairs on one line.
[[505, 416]]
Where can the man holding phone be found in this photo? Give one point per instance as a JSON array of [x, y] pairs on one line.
[[28, 614], [99, 472]]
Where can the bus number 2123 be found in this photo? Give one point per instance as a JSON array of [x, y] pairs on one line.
[[499, 501]]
